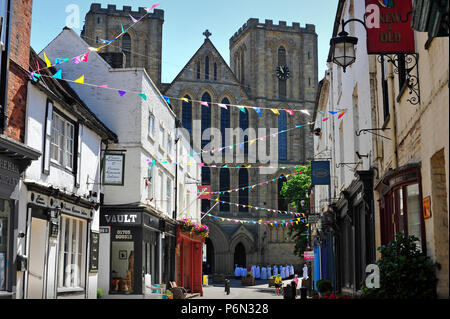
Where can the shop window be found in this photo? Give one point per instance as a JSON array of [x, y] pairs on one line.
[[122, 267], [5, 212], [169, 196], [72, 256], [62, 141], [402, 214]]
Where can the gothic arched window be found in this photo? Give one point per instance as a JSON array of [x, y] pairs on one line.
[[282, 137], [186, 116], [215, 71], [126, 48], [225, 121], [243, 124], [206, 180], [282, 205], [224, 186], [206, 116], [243, 193], [207, 68], [282, 61], [198, 70], [242, 67]]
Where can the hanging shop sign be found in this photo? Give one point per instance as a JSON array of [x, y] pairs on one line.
[[308, 255], [392, 33], [113, 173], [9, 176], [320, 173], [93, 255]]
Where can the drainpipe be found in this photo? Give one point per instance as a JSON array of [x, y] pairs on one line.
[[394, 117], [5, 71]]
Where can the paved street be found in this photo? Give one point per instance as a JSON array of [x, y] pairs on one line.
[[261, 290]]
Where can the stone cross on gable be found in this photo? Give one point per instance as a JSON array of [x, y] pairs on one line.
[[207, 34]]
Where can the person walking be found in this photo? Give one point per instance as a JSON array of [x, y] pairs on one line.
[[237, 272], [278, 284], [269, 272]]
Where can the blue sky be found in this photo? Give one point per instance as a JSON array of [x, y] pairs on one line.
[[185, 21]]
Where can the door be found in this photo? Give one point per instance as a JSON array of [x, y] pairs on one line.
[[37, 255]]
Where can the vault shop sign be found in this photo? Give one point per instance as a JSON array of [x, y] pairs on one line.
[[131, 219], [392, 32]]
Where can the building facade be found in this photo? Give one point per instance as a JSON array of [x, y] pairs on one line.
[[60, 197], [15, 156]]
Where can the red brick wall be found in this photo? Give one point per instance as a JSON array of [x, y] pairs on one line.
[[19, 61]]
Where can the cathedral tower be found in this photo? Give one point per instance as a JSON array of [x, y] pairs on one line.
[[141, 45]]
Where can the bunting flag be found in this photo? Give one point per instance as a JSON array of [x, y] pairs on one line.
[[242, 109], [290, 112], [85, 57], [105, 86], [47, 61], [259, 208], [80, 80], [332, 112], [35, 76], [305, 112], [204, 104], [76, 60], [133, 19], [122, 93], [123, 30], [58, 75], [143, 96], [275, 111], [223, 106], [342, 114], [184, 99], [258, 110], [325, 119], [167, 99]]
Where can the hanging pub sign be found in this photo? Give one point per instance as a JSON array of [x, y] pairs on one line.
[[320, 173], [113, 173], [204, 192], [389, 28]]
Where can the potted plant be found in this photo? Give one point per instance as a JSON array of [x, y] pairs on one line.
[[201, 231]]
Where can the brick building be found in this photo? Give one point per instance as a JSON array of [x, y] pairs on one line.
[[15, 157]]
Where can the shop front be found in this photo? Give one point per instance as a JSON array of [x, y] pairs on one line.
[[355, 233], [57, 258], [189, 251], [14, 159], [137, 248]]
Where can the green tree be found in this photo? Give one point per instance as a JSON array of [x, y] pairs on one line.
[[295, 192]]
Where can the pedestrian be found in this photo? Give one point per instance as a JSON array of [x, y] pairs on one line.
[[269, 272], [237, 272], [263, 273], [295, 280], [305, 272], [275, 270], [283, 272], [257, 272], [278, 283]]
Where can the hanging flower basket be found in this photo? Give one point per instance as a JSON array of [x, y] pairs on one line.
[[191, 228]]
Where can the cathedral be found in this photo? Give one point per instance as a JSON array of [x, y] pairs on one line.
[[271, 66]]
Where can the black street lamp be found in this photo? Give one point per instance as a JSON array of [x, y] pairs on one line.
[[343, 48]]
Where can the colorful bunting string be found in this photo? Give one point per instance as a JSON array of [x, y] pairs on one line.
[[273, 223], [260, 208]]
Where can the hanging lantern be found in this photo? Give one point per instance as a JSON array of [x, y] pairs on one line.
[[343, 49]]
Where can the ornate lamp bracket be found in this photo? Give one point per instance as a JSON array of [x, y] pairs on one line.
[[412, 77]]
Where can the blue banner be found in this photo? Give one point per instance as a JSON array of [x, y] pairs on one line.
[[320, 173]]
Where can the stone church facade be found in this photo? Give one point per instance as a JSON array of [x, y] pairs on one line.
[[256, 51]]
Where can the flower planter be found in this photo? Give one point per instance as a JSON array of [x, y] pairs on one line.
[[248, 281]]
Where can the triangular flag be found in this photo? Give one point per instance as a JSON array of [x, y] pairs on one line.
[[242, 109], [58, 75], [132, 18], [184, 99], [290, 112], [104, 86], [332, 112], [85, 57], [342, 114], [123, 30], [305, 112], [275, 111], [122, 93], [167, 99], [80, 80], [223, 106], [76, 60], [204, 104], [143, 96], [47, 61], [258, 110], [325, 119]]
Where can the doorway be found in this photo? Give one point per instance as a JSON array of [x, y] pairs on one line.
[[209, 265], [37, 256], [240, 257]]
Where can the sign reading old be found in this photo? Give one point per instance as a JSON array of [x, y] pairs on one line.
[[389, 27]]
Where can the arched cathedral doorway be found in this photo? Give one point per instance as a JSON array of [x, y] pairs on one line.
[[208, 266], [240, 256]]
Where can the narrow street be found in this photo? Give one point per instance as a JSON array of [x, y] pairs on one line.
[[261, 290]]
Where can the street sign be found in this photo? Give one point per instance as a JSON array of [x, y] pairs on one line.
[[308, 255], [313, 218]]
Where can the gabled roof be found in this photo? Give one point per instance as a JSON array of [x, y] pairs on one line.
[[206, 43], [68, 98]]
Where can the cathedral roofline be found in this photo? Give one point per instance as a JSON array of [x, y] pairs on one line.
[[253, 23], [96, 8]]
